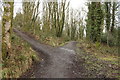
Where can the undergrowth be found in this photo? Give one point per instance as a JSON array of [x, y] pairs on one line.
[[48, 38], [21, 58], [100, 59]]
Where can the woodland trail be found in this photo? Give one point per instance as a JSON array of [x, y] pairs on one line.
[[58, 62]]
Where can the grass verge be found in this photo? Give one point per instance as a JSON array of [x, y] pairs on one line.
[[48, 38], [21, 58], [100, 60]]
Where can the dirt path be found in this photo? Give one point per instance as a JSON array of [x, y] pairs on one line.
[[58, 62]]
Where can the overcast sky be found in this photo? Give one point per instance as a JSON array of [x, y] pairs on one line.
[[75, 4]]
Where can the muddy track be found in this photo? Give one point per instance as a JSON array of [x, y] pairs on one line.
[[58, 63]]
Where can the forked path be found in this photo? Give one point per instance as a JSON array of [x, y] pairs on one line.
[[58, 61]]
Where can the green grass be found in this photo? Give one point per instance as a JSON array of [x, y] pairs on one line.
[[22, 57], [48, 37], [99, 57]]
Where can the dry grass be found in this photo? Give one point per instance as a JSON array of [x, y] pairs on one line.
[[21, 58], [101, 57], [101, 51]]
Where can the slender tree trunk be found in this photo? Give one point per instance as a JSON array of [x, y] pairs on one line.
[[108, 20], [7, 28], [63, 19], [113, 17], [108, 38]]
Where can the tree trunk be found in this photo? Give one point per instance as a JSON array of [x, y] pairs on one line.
[[7, 28], [113, 17]]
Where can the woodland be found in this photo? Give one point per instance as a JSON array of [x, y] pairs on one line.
[[56, 24]]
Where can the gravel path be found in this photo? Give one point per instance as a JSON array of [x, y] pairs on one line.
[[58, 61]]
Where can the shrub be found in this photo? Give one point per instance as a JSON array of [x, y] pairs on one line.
[[112, 40]]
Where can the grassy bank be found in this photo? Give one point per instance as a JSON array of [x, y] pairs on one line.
[[21, 58], [99, 59], [47, 37]]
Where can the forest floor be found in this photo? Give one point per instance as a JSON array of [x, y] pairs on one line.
[[68, 61]]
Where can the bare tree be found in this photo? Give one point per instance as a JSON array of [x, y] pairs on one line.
[[31, 12]]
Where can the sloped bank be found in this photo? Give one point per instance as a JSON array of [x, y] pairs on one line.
[[21, 59], [95, 66]]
